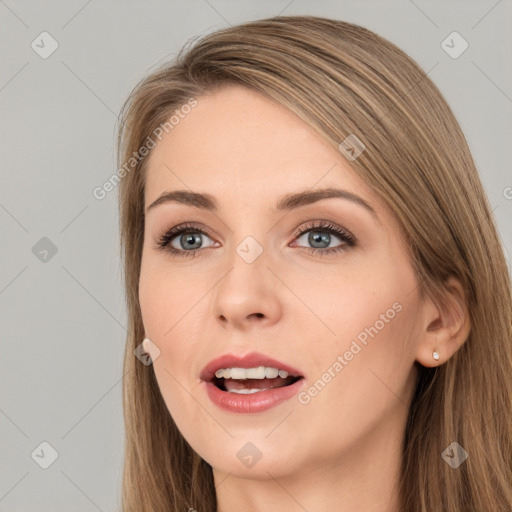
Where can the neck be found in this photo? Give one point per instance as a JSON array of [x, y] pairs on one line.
[[362, 479]]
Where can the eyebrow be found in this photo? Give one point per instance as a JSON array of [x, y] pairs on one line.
[[286, 203]]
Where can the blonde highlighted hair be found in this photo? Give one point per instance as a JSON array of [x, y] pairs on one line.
[[343, 79]]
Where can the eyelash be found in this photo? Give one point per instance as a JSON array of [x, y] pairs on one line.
[[323, 226]]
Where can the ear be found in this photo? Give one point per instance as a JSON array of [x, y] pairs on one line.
[[445, 326]]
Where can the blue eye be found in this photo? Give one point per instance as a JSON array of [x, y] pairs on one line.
[[322, 233], [189, 238]]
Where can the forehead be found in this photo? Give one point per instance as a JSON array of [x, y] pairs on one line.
[[238, 144]]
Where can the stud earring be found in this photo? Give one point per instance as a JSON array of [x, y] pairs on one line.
[[435, 355]]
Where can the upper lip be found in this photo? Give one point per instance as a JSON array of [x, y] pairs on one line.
[[251, 360]]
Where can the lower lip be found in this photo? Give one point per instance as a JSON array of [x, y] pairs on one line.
[[253, 402]]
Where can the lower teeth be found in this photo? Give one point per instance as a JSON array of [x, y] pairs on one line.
[[245, 391]]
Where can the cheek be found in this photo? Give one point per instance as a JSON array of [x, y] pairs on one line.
[[169, 300], [172, 322], [368, 315], [363, 376], [376, 334]]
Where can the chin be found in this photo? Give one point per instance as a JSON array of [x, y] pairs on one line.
[[257, 460]]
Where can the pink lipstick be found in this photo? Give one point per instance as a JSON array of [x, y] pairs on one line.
[[251, 383]]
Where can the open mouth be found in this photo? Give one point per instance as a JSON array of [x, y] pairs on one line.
[[251, 383], [252, 380]]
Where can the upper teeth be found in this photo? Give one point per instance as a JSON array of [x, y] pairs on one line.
[[259, 372]]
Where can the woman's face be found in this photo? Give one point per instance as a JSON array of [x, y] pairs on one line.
[[338, 303]]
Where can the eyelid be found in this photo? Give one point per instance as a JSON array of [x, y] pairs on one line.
[[179, 229], [347, 239], [324, 224]]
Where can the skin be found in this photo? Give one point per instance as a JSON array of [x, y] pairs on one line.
[[342, 450]]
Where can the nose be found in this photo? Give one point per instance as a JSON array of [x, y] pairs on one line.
[[249, 293]]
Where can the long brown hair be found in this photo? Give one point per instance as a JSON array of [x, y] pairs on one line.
[[343, 79]]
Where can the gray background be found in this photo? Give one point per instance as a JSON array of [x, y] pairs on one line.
[[63, 320]]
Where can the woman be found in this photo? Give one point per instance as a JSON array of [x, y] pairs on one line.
[[313, 270]]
